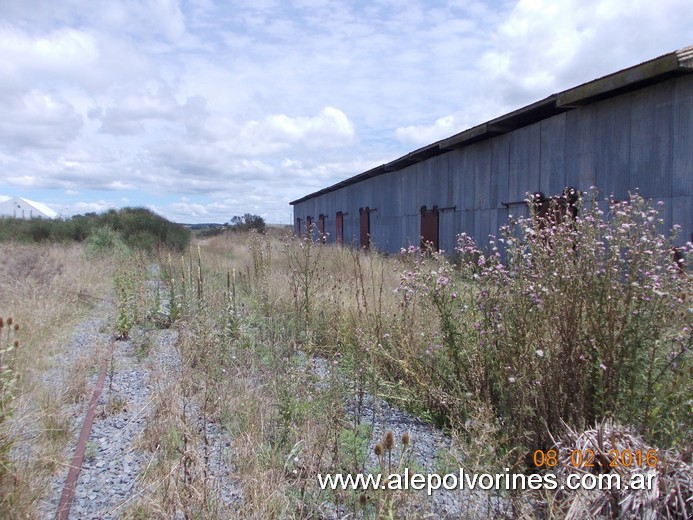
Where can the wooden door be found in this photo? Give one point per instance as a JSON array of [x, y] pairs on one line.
[[429, 227], [340, 227], [365, 227]]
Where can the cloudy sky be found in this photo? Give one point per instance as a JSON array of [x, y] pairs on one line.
[[202, 110]]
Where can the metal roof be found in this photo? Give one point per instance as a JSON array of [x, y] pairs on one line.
[[632, 78], [48, 212]]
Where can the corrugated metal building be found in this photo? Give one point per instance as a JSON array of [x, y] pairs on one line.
[[631, 129]]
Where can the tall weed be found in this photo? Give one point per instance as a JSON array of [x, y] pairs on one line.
[[587, 319]]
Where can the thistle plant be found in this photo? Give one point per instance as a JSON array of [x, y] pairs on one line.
[[303, 256], [261, 253], [437, 313], [9, 344], [174, 305], [125, 297], [231, 321], [586, 319]]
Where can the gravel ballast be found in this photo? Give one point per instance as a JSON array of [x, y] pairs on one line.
[[110, 480]]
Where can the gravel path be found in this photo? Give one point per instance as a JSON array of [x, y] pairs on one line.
[[110, 477], [110, 480], [426, 454]]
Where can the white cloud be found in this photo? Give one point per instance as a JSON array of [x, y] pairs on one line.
[[82, 207], [187, 209], [37, 119], [417, 135], [245, 106], [544, 46], [330, 127]]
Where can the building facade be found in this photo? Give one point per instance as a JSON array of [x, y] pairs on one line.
[[18, 207], [631, 130]]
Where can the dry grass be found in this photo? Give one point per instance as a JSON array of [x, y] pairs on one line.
[[47, 289], [343, 304], [251, 308], [670, 497], [284, 429]]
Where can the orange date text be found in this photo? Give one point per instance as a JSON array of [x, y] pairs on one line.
[[588, 458]]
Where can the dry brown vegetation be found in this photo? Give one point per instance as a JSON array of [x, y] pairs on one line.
[[46, 290], [488, 354]]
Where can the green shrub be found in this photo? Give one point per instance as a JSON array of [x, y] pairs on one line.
[[138, 228], [105, 240]]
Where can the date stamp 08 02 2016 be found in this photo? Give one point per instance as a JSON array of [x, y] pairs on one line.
[[586, 459]]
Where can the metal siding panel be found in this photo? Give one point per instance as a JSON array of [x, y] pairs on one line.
[[449, 179], [665, 213], [424, 188], [484, 223], [552, 155], [523, 163], [482, 153], [440, 176], [467, 179], [479, 226], [410, 225], [470, 223], [534, 157], [499, 171], [502, 215], [455, 169], [423, 171], [448, 231], [382, 220], [516, 165], [651, 140], [581, 131], [462, 223], [682, 214], [612, 151], [682, 138]]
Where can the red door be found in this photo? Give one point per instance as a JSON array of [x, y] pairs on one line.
[[321, 225], [365, 227], [340, 227], [429, 227]]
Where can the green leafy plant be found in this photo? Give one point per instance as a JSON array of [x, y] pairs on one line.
[[126, 303]]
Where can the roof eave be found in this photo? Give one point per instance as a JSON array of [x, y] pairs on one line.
[[633, 78]]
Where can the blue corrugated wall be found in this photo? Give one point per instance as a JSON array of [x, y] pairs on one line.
[[642, 139]]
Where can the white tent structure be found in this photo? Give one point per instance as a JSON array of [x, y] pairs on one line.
[[19, 207]]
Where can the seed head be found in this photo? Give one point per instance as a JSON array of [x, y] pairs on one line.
[[389, 441], [405, 439], [16, 327], [378, 450], [16, 343], [363, 500], [9, 321]]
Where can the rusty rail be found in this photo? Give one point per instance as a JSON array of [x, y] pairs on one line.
[[68, 493]]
